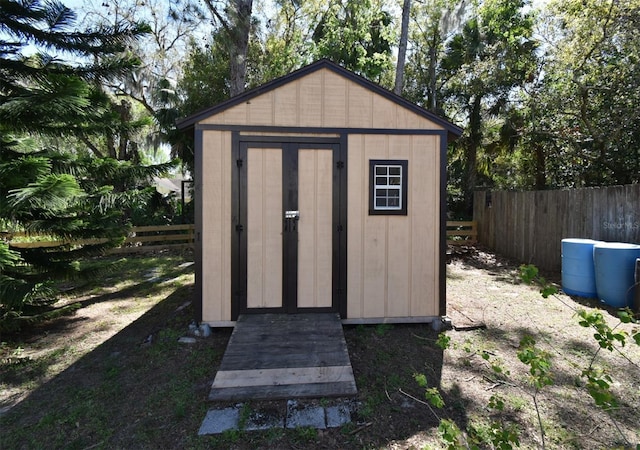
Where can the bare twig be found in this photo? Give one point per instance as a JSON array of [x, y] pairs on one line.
[[535, 402], [498, 382], [457, 309], [360, 428], [421, 402], [423, 338], [615, 424]]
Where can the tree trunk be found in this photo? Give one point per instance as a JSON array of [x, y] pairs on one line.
[[540, 168], [433, 104], [240, 28], [402, 47], [471, 154]]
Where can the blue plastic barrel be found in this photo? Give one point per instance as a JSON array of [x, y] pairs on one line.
[[614, 264], [578, 273]]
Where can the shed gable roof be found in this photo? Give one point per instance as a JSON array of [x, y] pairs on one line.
[[322, 94]]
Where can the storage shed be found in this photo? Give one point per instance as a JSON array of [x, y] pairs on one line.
[[320, 192]]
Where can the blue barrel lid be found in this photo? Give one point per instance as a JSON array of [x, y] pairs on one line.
[[579, 241], [617, 245]]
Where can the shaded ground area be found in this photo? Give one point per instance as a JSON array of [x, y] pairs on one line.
[[115, 376]]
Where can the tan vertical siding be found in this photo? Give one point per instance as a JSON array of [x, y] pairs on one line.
[[315, 245], [425, 202], [385, 112], [322, 99], [335, 94], [400, 240], [264, 228], [287, 105], [357, 209], [311, 107], [261, 109], [376, 239], [216, 242], [392, 261], [360, 107], [239, 114]]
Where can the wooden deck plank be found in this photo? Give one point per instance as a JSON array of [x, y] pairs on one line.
[[268, 361], [274, 356], [316, 390], [312, 337], [282, 376]]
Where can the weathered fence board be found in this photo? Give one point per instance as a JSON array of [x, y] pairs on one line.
[[529, 226], [462, 232], [140, 239]]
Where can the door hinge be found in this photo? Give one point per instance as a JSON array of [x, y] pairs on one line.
[[239, 162], [340, 164], [239, 228]]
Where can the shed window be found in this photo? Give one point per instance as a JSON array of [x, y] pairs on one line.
[[387, 187]]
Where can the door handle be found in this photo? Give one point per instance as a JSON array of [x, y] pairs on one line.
[[292, 215], [290, 220]]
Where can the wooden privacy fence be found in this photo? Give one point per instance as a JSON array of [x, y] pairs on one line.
[[140, 239], [530, 226]]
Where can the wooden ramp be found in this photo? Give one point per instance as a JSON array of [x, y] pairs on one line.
[[283, 356]]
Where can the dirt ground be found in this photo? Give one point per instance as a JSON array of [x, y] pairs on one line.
[[114, 375], [485, 289]]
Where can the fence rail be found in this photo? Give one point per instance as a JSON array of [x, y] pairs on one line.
[[140, 239], [530, 226], [151, 238], [462, 232]]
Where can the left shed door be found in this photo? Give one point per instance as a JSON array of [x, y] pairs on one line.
[[264, 228]]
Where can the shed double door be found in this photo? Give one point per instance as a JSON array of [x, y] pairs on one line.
[[289, 205]]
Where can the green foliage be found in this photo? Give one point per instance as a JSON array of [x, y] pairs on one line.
[[62, 193], [304, 435], [434, 397], [604, 334], [539, 362], [450, 433], [357, 35], [496, 402], [421, 379], [382, 328], [39, 92], [599, 387], [206, 74], [598, 381], [484, 65], [444, 341], [495, 435], [589, 93], [530, 275], [499, 435]]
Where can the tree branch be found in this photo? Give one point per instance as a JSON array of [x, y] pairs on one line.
[[91, 146]]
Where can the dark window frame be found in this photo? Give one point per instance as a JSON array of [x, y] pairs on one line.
[[377, 211]]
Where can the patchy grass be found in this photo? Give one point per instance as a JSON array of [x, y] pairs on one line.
[[114, 375]]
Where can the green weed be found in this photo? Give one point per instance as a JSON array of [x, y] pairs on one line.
[[383, 328], [304, 435]]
